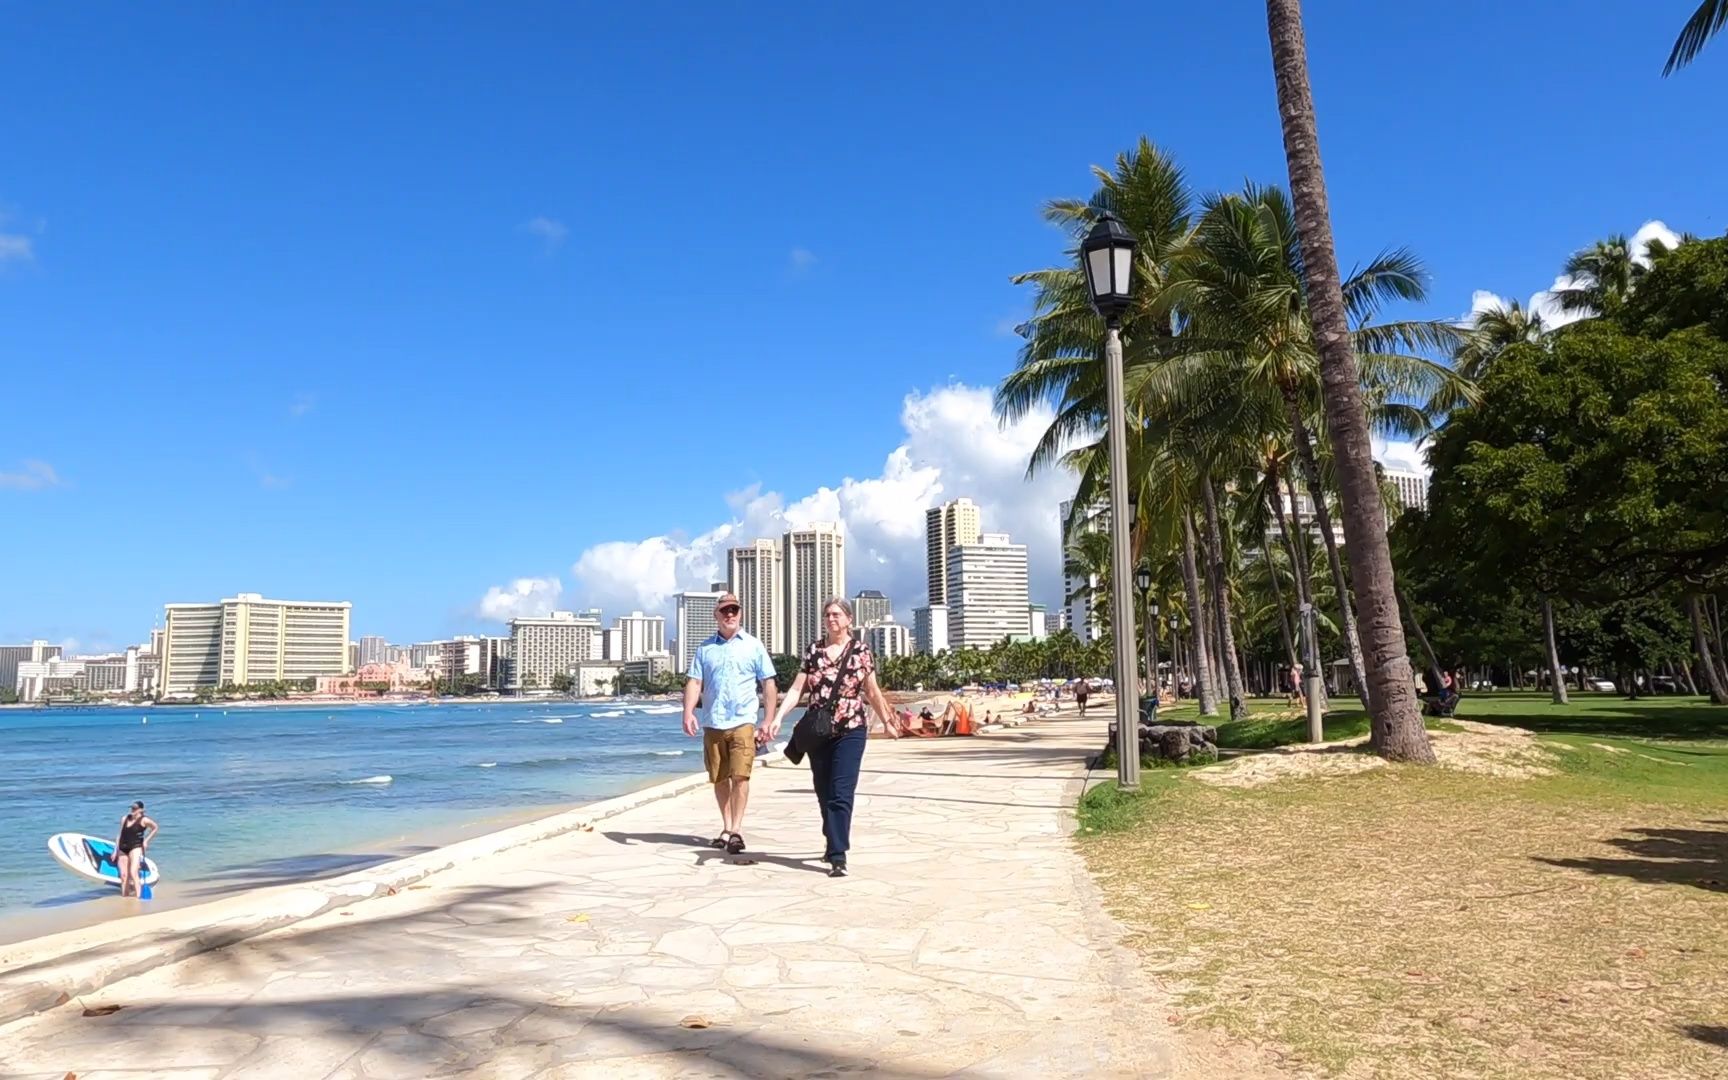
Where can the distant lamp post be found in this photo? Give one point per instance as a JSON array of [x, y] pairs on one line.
[[1177, 660], [1143, 581], [1107, 254]]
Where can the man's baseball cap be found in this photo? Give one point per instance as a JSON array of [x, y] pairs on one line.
[[728, 600]]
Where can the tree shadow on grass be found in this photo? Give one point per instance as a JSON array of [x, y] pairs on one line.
[[1690, 720], [1695, 857]]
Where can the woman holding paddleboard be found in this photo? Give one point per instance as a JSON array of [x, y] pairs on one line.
[[136, 832]]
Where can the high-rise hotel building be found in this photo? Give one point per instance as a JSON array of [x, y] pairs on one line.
[[815, 570], [541, 649], [248, 639], [988, 593], [695, 623], [954, 522], [756, 575]]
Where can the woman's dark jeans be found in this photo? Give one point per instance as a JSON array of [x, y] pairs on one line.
[[834, 771]]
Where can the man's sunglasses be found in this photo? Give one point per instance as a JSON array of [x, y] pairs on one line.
[[730, 609]]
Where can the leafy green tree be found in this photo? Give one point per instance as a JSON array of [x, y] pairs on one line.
[[786, 668], [1684, 288], [563, 683]]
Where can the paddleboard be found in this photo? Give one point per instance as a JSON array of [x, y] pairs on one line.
[[93, 857]]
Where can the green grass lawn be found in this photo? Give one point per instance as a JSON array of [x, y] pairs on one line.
[[1409, 921]]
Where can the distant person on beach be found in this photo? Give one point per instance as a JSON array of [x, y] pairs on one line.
[[720, 697], [840, 673], [130, 846], [1081, 693]]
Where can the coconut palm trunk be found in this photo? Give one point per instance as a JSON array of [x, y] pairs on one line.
[[1221, 601], [1422, 639], [1278, 590], [1299, 566], [1555, 675], [1396, 733], [1310, 465], [1199, 656], [1701, 640]]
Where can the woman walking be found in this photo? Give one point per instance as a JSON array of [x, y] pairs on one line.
[[136, 832], [840, 674]]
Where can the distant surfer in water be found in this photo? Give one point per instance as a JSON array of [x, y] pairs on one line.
[[136, 832]]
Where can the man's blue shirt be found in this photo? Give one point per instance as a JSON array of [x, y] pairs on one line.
[[729, 669]]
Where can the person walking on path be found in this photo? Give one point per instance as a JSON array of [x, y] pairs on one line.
[[720, 696], [840, 673], [1081, 693], [130, 847]]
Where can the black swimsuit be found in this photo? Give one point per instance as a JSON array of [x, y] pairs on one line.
[[131, 835]]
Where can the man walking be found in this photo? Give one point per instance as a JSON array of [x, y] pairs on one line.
[[721, 685]]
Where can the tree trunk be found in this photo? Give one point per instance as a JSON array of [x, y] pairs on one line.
[[1721, 654], [1701, 641], [1557, 676], [1221, 595], [1295, 539], [1397, 733], [1278, 592], [1685, 675], [1323, 517], [1197, 652], [1433, 675]]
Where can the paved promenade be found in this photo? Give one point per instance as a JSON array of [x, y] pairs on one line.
[[968, 941]]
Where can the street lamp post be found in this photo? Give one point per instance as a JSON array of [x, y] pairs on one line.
[[1311, 679], [1107, 254], [1176, 658], [1143, 578]]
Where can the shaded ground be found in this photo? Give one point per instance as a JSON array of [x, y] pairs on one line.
[[1434, 922]]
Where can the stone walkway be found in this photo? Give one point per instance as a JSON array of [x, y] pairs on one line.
[[968, 941]]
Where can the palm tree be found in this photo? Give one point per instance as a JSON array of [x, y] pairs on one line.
[[1603, 276], [1705, 23], [1397, 732], [1490, 332]]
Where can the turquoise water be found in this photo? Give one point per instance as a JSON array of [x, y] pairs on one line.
[[265, 795]]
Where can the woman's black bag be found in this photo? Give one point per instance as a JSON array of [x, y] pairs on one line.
[[818, 718]]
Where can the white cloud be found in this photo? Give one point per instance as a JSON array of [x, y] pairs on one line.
[[1543, 303], [551, 231], [522, 598], [302, 404], [32, 476], [15, 248], [802, 259], [1398, 456], [952, 447]]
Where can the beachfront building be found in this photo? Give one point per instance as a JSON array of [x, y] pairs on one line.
[[353, 656], [545, 648], [375, 650], [957, 521], [649, 665], [368, 680], [930, 629], [1039, 622], [988, 592], [249, 639], [1076, 588], [495, 662], [815, 570], [887, 639], [1412, 489], [695, 622], [870, 607], [756, 575], [13, 655], [595, 678], [640, 634], [39, 679], [459, 657], [424, 654]]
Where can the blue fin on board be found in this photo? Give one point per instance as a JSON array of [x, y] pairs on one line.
[[144, 892]]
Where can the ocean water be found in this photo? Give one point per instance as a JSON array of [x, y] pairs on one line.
[[265, 795]]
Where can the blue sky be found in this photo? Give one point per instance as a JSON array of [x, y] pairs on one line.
[[404, 303]]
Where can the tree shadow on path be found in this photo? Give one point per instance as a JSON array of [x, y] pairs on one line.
[[706, 854]]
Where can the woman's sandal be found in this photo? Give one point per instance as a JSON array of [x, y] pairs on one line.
[[719, 841], [735, 844]]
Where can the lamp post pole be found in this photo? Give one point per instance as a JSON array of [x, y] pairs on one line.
[[1121, 574], [1152, 648], [1107, 258], [1311, 678]]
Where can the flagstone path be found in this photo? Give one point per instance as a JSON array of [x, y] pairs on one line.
[[968, 941]]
